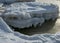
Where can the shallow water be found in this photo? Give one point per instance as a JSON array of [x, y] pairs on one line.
[[48, 27]]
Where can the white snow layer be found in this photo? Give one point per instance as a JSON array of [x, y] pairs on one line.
[[26, 14], [9, 36]]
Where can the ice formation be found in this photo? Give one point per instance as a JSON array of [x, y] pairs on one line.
[[9, 36], [26, 14]]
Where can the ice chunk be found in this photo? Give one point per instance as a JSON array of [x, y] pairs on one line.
[[25, 14], [21, 20], [21, 17]]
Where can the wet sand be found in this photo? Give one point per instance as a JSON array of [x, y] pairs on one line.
[[48, 27]]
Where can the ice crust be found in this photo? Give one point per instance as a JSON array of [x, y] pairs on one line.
[[26, 14], [9, 36]]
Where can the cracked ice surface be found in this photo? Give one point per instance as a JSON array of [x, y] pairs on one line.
[[26, 14], [9, 36]]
